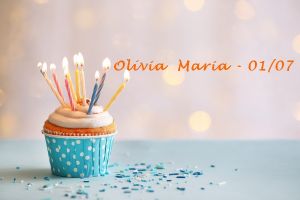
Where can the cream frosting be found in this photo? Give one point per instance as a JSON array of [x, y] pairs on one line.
[[66, 118]]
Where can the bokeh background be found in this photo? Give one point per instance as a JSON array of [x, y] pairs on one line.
[[157, 105]]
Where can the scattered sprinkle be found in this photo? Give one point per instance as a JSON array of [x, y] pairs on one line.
[[102, 190], [181, 188]]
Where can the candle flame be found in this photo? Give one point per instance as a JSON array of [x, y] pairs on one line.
[[52, 67], [44, 68], [75, 58], [65, 64], [39, 65], [126, 76], [80, 59], [106, 64], [97, 75]]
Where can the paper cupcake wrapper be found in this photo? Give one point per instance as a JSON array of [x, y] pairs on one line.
[[79, 156]]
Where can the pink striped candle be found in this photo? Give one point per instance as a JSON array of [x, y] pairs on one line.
[[53, 69], [69, 95]]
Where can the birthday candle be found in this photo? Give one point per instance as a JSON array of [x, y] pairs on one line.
[[122, 86], [53, 70], [97, 74], [106, 66], [82, 80], [68, 88], [68, 76], [77, 78], [43, 70]]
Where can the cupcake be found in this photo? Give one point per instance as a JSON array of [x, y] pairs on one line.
[[79, 134], [78, 144]]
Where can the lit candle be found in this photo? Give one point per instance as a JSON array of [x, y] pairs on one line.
[[68, 76], [53, 70], [82, 80], [43, 70], [67, 84], [97, 75], [122, 86], [106, 66], [77, 78]]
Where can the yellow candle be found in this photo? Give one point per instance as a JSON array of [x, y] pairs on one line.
[[43, 70], [68, 76], [82, 80], [122, 86], [77, 78]]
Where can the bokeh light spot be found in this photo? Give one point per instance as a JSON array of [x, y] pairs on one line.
[[8, 123], [84, 18], [2, 97], [41, 2], [296, 43], [194, 5], [200, 121], [172, 76], [244, 10]]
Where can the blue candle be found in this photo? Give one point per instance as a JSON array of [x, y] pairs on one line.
[[100, 88], [94, 93]]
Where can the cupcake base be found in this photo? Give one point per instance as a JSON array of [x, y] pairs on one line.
[[79, 157]]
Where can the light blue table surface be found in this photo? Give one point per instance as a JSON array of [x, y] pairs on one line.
[[265, 170]]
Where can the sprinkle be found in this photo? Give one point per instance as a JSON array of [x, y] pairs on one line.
[[132, 168], [159, 167], [142, 170], [181, 188], [222, 183], [102, 190], [202, 188], [66, 195], [119, 176], [113, 186], [142, 163], [150, 190], [173, 174], [73, 197], [34, 177], [197, 173], [125, 188], [17, 168], [210, 183], [46, 178], [135, 189], [136, 184], [212, 166], [14, 180], [169, 180], [236, 169], [126, 191], [180, 176], [86, 181]]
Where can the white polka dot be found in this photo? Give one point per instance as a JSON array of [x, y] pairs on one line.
[[81, 154], [53, 140], [63, 155], [69, 175], [68, 163], [75, 169], [77, 162], [57, 150], [87, 157], [93, 140], [48, 140], [72, 143], [77, 141], [85, 166], [65, 142], [74, 157], [89, 148], [82, 175], [68, 150]]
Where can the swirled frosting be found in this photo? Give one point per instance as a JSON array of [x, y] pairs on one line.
[[66, 118]]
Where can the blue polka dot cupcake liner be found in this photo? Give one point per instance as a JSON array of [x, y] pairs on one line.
[[79, 157]]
